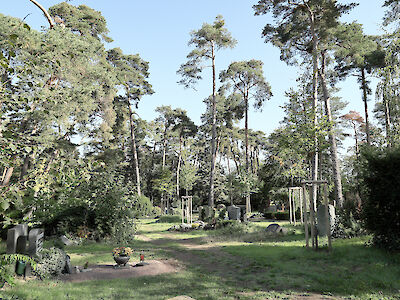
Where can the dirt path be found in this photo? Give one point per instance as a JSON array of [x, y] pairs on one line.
[[106, 272]]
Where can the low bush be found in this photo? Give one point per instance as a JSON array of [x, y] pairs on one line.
[[347, 226], [280, 215], [156, 211], [169, 219], [51, 263], [7, 269]]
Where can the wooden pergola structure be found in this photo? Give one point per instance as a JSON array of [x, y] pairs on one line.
[[187, 209], [310, 185], [295, 193]]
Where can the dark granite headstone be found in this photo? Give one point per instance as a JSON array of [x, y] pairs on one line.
[[16, 239], [233, 213]]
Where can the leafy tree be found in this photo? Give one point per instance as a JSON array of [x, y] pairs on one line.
[[299, 29], [356, 51], [356, 122], [82, 19], [207, 40], [131, 73], [247, 79]]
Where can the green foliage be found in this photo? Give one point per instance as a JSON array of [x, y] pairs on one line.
[[51, 263], [279, 215], [381, 206], [6, 268], [231, 227], [347, 226], [142, 206], [156, 211], [207, 39], [123, 232], [169, 219]]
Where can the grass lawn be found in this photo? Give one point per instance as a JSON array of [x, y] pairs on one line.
[[237, 263]]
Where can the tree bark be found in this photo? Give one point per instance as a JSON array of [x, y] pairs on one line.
[[46, 14], [314, 167], [332, 138], [25, 166], [365, 99], [214, 132], [7, 177], [134, 149], [178, 167], [387, 117]]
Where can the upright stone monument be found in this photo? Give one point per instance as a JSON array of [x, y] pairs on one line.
[[322, 224], [36, 237], [233, 213], [16, 239]]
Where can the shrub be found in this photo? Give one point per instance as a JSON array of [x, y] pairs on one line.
[[347, 226], [142, 206], [124, 232], [169, 219], [157, 211], [280, 215], [379, 172], [51, 263], [6, 269], [232, 227], [222, 213]]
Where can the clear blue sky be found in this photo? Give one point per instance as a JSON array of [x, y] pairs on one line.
[[159, 31]]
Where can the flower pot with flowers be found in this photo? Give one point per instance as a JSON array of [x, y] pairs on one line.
[[122, 255]]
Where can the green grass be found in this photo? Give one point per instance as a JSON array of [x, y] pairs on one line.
[[350, 270], [241, 264]]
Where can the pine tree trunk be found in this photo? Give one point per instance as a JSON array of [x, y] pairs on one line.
[[387, 117], [25, 166], [365, 99], [214, 133], [178, 168], [7, 177], [134, 150], [314, 170], [332, 138]]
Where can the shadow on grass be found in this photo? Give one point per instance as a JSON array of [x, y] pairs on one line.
[[196, 285], [351, 268]]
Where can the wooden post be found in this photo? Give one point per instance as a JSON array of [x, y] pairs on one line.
[[305, 216], [183, 210], [312, 221], [191, 210], [301, 207], [290, 206], [294, 204], [328, 221]]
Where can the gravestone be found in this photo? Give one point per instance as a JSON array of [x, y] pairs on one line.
[[243, 214], [275, 229], [36, 237], [16, 239], [233, 213], [66, 241], [68, 267], [322, 224]]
